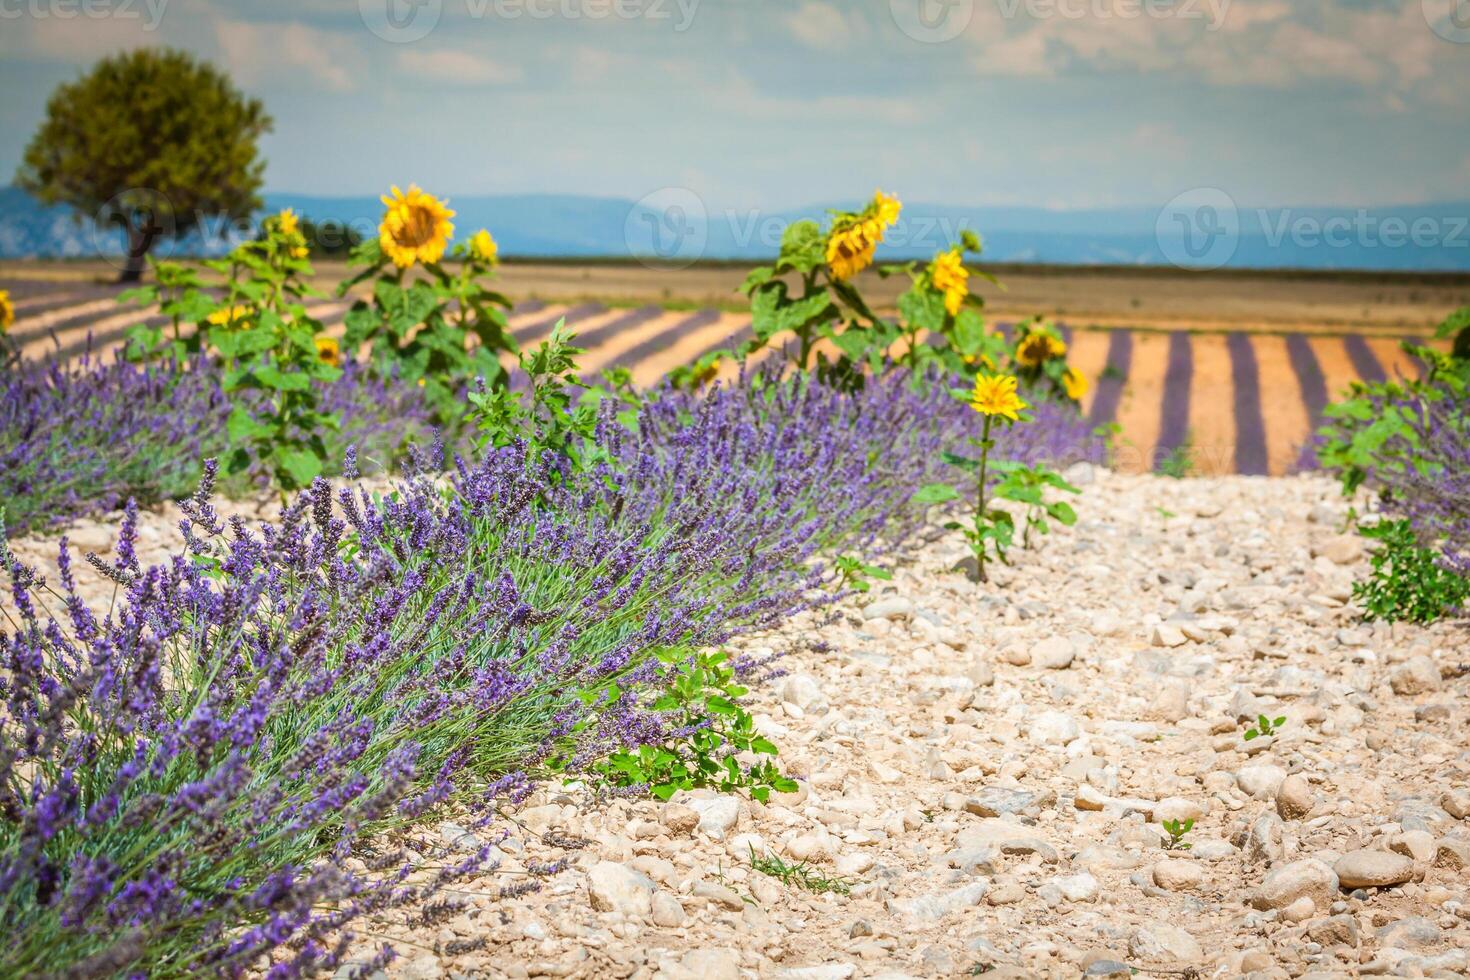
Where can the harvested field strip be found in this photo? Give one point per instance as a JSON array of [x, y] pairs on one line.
[[1282, 406]]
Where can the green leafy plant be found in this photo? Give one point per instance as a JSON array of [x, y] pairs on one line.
[[855, 573], [1178, 462], [1372, 429], [692, 377], [1457, 326], [1408, 581], [1027, 485], [268, 342], [801, 874], [179, 293], [702, 700], [552, 415], [329, 238], [1264, 727], [989, 528], [1176, 829], [263, 338]]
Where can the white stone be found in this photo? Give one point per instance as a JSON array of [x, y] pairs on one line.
[[1053, 728], [718, 815], [1053, 653], [1081, 887], [614, 887]]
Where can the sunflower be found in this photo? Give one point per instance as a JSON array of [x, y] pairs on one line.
[[7, 311], [483, 247], [287, 222], [850, 250], [886, 208], [950, 277], [415, 228], [228, 316], [854, 237], [328, 350], [1075, 384], [1037, 348], [995, 394]]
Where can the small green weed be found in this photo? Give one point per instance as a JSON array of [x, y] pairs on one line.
[[1176, 829], [1179, 461], [801, 874], [855, 573], [1264, 727]]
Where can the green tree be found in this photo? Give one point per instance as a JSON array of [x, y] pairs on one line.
[[152, 141]]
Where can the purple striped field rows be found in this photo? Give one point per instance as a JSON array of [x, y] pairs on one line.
[[1226, 403]]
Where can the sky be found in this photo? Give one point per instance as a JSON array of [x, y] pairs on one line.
[[1068, 104]]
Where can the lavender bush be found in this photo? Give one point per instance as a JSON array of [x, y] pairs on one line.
[[81, 437], [1432, 486], [181, 779], [177, 776], [1409, 441]]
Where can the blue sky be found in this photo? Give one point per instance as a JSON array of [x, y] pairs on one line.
[[779, 103]]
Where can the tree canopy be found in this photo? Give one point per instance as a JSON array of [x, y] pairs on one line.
[[152, 140]]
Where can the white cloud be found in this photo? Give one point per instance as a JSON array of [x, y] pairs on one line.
[[456, 67], [1388, 53], [822, 26], [1022, 56], [257, 53]]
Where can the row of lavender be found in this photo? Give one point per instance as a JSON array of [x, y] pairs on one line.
[[81, 437], [1408, 440], [182, 779]]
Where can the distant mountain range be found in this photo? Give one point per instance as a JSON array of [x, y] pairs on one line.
[[1203, 229]]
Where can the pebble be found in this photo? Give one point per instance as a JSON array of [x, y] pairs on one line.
[[614, 887], [1177, 875], [1284, 885], [1260, 780], [1053, 653], [1053, 728], [1077, 888], [1159, 941], [894, 607], [1418, 675], [1295, 799], [718, 815], [1365, 868]]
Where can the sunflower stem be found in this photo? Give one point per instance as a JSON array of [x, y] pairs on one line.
[[980, 518]]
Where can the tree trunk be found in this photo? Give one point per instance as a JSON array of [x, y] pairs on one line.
[[140, 240]]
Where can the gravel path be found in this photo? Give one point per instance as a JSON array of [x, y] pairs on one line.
[[986, 773]]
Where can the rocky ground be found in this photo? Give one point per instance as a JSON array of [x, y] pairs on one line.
[[984, 775]]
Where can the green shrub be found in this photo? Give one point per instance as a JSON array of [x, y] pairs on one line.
[[1408, 581]]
